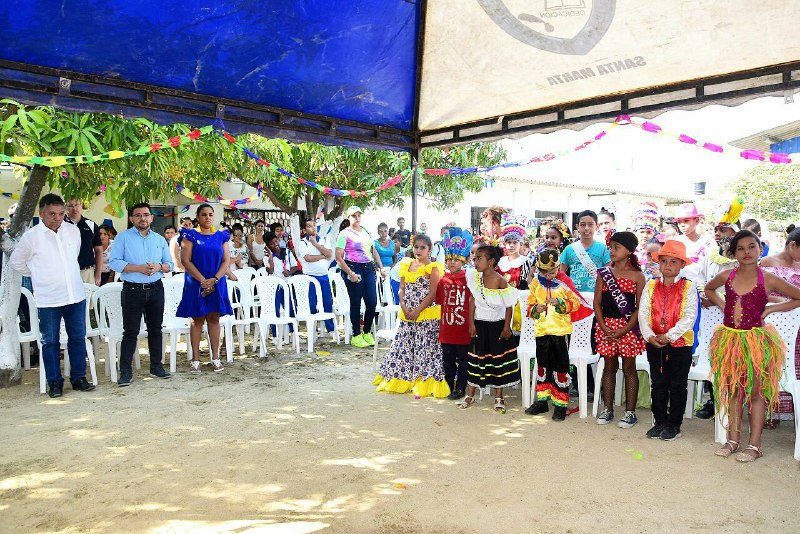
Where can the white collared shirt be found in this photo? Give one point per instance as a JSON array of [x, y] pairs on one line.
[[51, 260], [305, 248]]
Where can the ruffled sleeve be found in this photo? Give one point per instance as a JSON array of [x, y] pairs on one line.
[[403, 273], [436, 265], [226, 235], [187, 233], [508, 295]]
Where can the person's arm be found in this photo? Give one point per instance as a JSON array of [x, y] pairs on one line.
[[506, 333], [402, 294], [778, 285], [176, 253], [20, 256], [97, 245], [269, 261], [226, 262], [473, 331], [166, 258], [711, 289], [377, 258], [644, 318], [353, 277], [634, 319], [292, 265], [598, 309], [430, 297], [324, 252], [186, 258]]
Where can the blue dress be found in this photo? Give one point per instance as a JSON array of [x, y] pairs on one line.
[[386, 253], [207, 255]]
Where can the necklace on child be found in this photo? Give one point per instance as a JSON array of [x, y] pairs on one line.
[[665, 299]]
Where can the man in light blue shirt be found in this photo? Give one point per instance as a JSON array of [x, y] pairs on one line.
[[141, 256]]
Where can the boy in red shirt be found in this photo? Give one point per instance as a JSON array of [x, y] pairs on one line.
[[453, 296]]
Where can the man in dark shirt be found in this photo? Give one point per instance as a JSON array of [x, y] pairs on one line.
[[90, 258], [405, 235]]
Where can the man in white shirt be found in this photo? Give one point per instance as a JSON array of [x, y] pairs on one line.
[[316, 254], [48, 253]]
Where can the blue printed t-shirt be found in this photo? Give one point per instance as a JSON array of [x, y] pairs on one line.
[[357, 245], [580, 276]]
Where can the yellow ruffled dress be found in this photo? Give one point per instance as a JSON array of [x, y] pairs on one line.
[[414, 361]]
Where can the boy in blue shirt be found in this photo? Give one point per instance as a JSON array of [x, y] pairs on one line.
[[581, 259]]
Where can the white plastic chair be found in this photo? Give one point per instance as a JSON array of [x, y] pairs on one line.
[[700, 371], [386, 309], [240, 297], [92, 332], [341, 303], [301, 286], [108, 312], [526, 353], [32, 335], [267, 288], [581, 356], [788, 324], [173, 326]]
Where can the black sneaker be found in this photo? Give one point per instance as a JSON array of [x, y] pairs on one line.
[[125, 379], [540, 406], [706, 412], [671, 433], [160, 372], [559, 413], [82, 384], [55, 390], [655, 432], [456, 395]]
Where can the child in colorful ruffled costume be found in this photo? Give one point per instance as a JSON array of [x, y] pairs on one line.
[[551, 303], [414, 362], [453, 296], [645, 225], [717, 260], [667, 317], [493, 359], [747, 356]]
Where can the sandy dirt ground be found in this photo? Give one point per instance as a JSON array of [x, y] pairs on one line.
[[303, 443]]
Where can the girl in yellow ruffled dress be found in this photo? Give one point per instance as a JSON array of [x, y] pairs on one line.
[[414, 362]]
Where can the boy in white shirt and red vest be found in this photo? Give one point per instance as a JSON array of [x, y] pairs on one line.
[[668, 311]]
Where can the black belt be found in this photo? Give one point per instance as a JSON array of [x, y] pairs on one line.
[[89, 267], [140, 285]]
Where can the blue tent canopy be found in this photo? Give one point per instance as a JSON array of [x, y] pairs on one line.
[[281, 67], [399, 74]]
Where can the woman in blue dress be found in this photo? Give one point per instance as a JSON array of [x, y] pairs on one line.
[[205, 255]]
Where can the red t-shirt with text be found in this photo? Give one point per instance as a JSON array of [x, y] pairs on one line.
[[453, 296]]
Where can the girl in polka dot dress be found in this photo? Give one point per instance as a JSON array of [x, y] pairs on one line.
[[616, 302]]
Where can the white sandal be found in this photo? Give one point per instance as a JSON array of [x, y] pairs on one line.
[[500, 405], [194, 367], [466, 403], [217, 365]]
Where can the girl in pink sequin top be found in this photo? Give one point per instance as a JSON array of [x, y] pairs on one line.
[[747, 357]]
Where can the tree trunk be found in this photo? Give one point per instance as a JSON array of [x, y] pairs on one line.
[[10, 369]]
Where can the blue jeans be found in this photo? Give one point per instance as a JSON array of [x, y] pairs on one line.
[[395, 290], [74, 316], [364, 289], [327, 299]]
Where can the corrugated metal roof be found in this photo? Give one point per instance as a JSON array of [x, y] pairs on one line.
[[763, 140]]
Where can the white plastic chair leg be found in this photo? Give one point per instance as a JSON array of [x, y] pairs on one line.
[[240, 331], [92, 364], [311, 328], [173, 352], [690, 387], [26, 356], [598, 381], [42, 379], [582, 389], [228, 335], [111, 356]]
